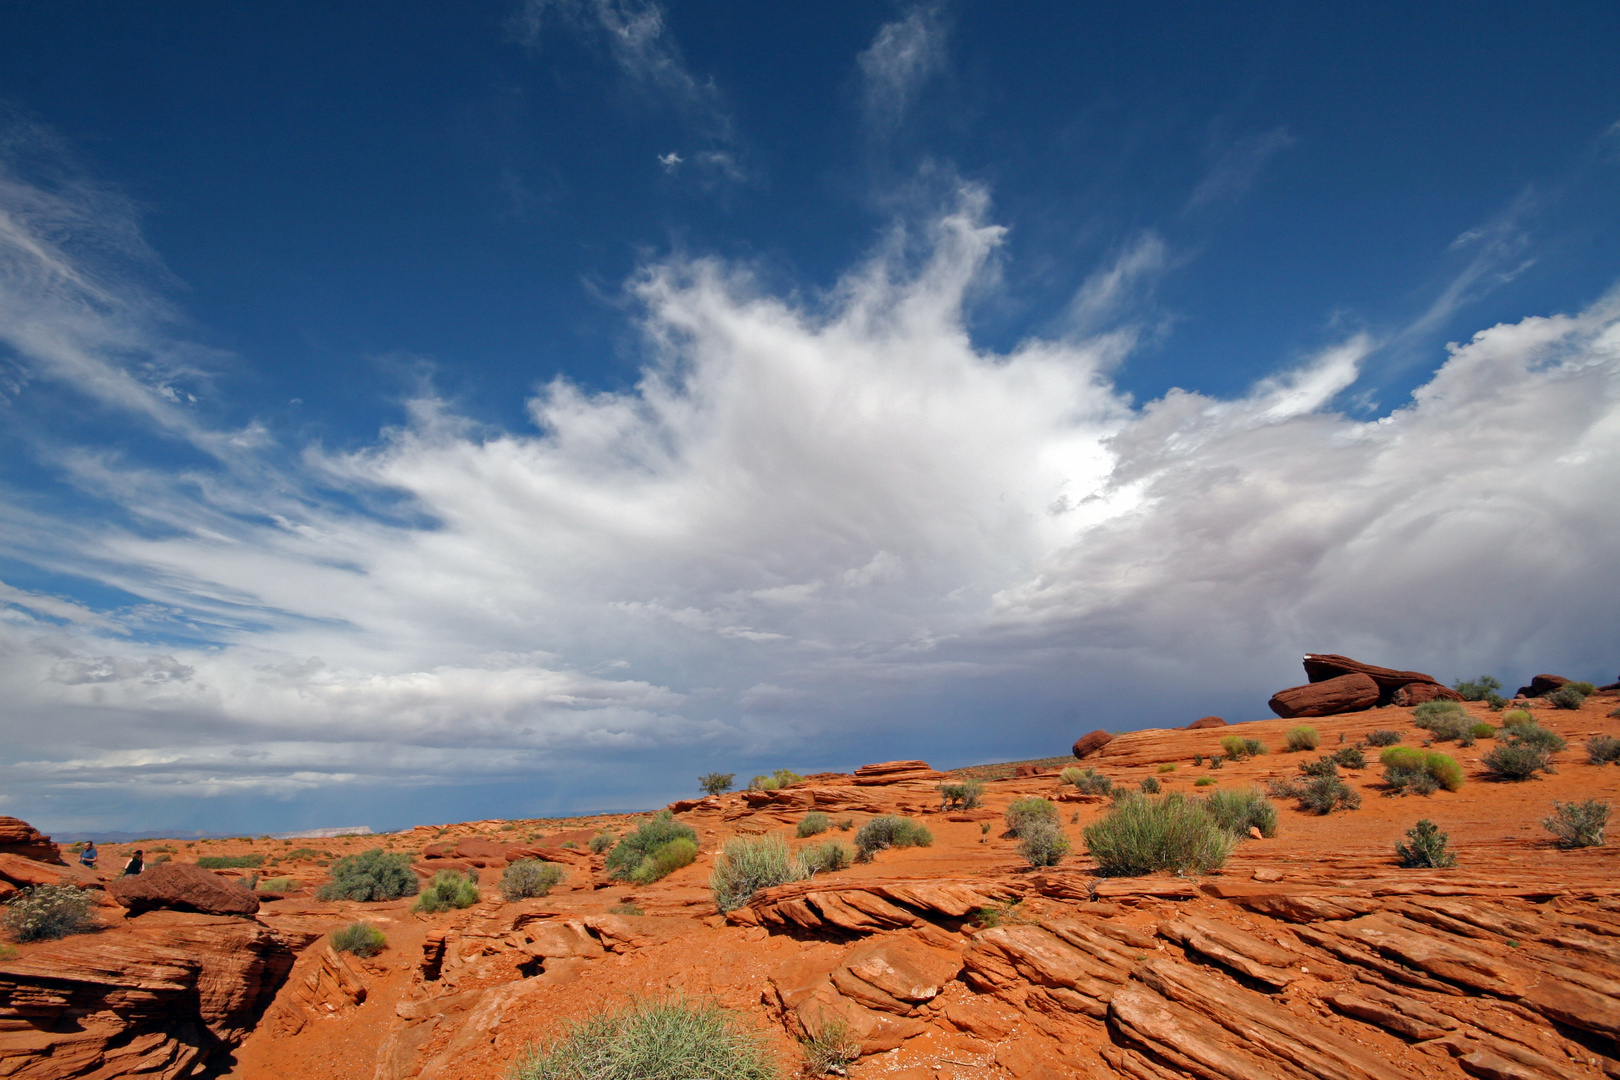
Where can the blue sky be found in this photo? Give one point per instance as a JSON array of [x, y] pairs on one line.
[[415, 412]]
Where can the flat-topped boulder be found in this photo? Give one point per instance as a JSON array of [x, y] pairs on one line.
[[1339, 684], [1347, 693], [173, 886], [894, 772]]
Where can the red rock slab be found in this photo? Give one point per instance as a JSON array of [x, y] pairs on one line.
[[23, 872], [1414, 694], [1320, 667], [173, 886], [1541, 686], [17, 837], [1347, 693], [1205, 722], [886, 768], [1087, 745]]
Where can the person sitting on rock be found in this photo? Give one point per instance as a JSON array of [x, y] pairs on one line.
[[88, 857], [135, 865]]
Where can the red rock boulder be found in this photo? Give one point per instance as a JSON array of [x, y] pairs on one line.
[[173, 886], [893, 772], [1086, 745], [1205, 722], [17, 837], [20, 873], [1027, 770], [1347, 693], [1540, 686], [1418, 692]]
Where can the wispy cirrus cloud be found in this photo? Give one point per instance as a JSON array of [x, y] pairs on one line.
[[904, 55]]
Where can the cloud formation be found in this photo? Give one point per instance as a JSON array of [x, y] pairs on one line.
[[903, 56], [811, 533]]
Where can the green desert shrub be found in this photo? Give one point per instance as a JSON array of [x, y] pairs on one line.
[[652, 1039], [1426, 713], [1237, 748], [831, 1050], [890, 831], [961, 795], [1602, 749], [1566, 697], [748, 864], [1516, 761], [716, 783], [530, 877], [276, 884], [1142, 835], [1482, 730], [1447, 726], [1214, 761], [1024, 812], [664, 860], [1303, 737], [1426, 849], [448, 889], [637, 848], [602, 841], [1325, 794], [359, 938], [230, 862], [1236, 811], [1150, 785], [1404, 766], [1168, 766], [1322, 766], [1582, 687], [825, 857], [301, 853], [1350, 757], [1253, 748], [1480, 688], [1042, 843], [369, 876], [1535, 735], [1087, 781], [1385, 737], [1515, 718], [1204, 781], [1578, 824], [813, 823], [44, 912]]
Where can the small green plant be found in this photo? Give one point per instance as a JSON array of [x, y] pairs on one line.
[[1567, 697], [359, 938], [1403, 766], [831, 1050], [301, 853], [602, 841], [846, 825], [1168, 766], [230, 862], [277, 884], [1142, 835], [1479, 688], [1582, 687], [1578, 824], [1482, 730], [570, 845], [716, 783], [7, 953], [1024, 812], [625, 909], [1350, 757], [1602, 749], [763, 783], [1302, 738], [1214, 761], [1325, 794], [1426, 713], [1384, 737], [889, 831], [46, 912], [633, 858], [814, 823], [664, 860], [825, 857], [1254, 748], [1237, 748], [1322, 766], [1516, 761], [1198, 760], [1204, 781], [370, 876], [1535, 735], [1514, 718], [530, 877], [1237, 811], [652, 1039], [961, 795], [448, 889], [748, 864], [786, 778], [984, 829], [1042, 843], [1150, 785], [1427, 848], [1087, 781]]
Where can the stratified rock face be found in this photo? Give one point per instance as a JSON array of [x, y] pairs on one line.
[[1206, 722], [183, 887], [893, 772], [17, 837], [21, 873], [1347, 693], [1086, 745], [1542, 685], [153, 997]]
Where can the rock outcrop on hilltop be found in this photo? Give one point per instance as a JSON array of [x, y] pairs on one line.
[[173, 886], [1089, 744], [17, 837], [1541, 686], [1339, 684], [1205, 722]]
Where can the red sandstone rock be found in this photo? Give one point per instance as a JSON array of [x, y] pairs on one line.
[[1417, 693], [173, 886], [894, 772], [1347, 693], [1541, 686], [1205, 722], [1320, 667], [21, 872], [1090, 744], [480, 851], [1027, 770], [17, 837]]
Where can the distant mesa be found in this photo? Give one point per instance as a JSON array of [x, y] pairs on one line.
[[1339, 684], [1087, 745], [324, 834], [1205, 722]]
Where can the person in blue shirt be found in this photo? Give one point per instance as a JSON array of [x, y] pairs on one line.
[[89, 855]]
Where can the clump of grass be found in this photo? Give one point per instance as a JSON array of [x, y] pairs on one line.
[[652, 1039], [642, 854], [1168, 766], [1602, 749], [1322, 766], [1214, 761], [1479, 688], [1237, 748], [46, 912], [889, 831], [1237, 811], [448, 889], [716, 783], [602, 841], [625, 909], [1427, 848], [1325, 794], [370, 876], [1350, 757], [1198, 760], [778, 780], [1385, 737], [749, 864], [831, 1050], [1578, 824], [827, 856], [1427, 711], [301, 853], [359, 938], [1567, 697], [1023, 813], [1446, 721], [1142, 835], [1535, 735], [530, 877], [961, 795], [1087, 781], [1150, 785], [846, 825], [1516, 761], [1581, 686], [1514, 718], [277, 884], [1482, 730], [1404, 769], [1204, 781], [1303, 737], [230, 862], [1042, 843], [813, 824]]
